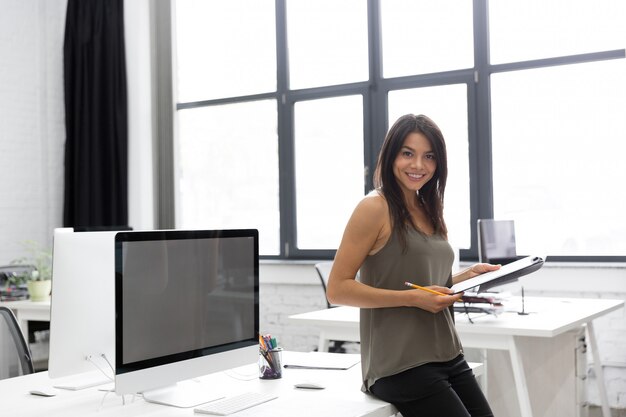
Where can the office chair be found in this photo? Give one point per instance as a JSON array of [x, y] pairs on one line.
[[323, 271], [15, 359]]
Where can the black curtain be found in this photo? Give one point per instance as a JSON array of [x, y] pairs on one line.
[[96, 149]]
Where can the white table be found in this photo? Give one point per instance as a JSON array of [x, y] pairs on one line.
[[548, 318], [342, 396], [26, 310]]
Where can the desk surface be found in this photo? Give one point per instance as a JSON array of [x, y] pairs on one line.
[[26, 305], [548, 317], [342, 396]]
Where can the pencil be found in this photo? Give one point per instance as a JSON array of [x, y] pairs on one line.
[[408, 284]]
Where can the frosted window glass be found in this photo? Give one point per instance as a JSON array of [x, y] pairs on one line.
[[329, 168], [227, 171], [447, 106], [225, 48], [327, 42], [559, 139], [534, 29], [425, 36]]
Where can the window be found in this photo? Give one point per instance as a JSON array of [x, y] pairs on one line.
[[414, 34], [209, 67], [451, 117], [559, 137], [228, 170], [329, 168], [282, 106], [327, 42], [535, 29]]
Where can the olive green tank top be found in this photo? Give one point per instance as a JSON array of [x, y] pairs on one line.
[[399, 338]]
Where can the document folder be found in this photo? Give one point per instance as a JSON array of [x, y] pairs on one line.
[[321, 360], [505, 274]]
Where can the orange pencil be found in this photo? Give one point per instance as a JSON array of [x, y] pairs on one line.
[[408, 284]]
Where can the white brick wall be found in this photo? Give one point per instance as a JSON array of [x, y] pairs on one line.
[[278, 301], [31, 122]]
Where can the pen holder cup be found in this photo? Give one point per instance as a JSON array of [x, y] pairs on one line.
[[271, 363]]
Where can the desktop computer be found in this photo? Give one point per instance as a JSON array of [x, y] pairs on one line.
[[82, 327], [186, 305]]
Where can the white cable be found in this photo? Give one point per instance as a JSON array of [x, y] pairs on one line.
[[89, 358], [104, 356], [240, 376], [102, 401]]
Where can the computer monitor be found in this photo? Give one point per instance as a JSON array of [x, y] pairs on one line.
[[82, 326], [496, 241], [186, 305], [496, 244]]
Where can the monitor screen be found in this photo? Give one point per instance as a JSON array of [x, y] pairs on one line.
[[186, 305], [496, 245], [496, 241], [82, 327]]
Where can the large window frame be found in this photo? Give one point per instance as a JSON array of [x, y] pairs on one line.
[[374, 92]]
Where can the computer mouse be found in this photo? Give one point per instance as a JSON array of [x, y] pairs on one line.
[[309, 385], [43, 392]]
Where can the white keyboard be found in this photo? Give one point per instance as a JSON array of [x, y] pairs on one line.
[[234, 404], [81, 381]]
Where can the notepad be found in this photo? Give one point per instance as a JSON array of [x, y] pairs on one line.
[[320, 360], [503, 275]]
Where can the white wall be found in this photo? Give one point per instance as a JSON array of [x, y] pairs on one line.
[[32, 122], [139, 81]]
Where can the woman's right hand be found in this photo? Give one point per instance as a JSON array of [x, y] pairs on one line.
[[432, 302]]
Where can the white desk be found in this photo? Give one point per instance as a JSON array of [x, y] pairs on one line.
[[548, 318], [342, 396], [26, 310]]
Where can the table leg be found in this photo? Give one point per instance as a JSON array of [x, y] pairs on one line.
[[483, 381], [322, 344], [520, 379], [597, 366]]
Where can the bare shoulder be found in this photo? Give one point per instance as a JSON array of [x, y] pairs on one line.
[[371, 216], [374, 204]]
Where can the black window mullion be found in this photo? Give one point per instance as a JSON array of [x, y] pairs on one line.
[[481, 187], [286, 171], [376, 102]]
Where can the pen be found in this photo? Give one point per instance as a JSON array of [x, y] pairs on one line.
[[408, 284], [262, 343]]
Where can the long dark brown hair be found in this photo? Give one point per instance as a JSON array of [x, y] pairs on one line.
[[431, 194]]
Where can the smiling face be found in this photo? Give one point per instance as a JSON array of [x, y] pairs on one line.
[[415, 164]]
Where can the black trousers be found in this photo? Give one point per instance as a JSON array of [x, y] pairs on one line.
[[435, 389]]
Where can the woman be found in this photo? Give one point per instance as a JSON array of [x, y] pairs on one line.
[[411, 355]]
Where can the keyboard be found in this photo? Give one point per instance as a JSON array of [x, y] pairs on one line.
[[234, 404], [81, 381]]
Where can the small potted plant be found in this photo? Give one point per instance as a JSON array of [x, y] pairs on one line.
[[38, 277]]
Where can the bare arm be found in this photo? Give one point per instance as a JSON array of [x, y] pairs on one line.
[[365, 231]]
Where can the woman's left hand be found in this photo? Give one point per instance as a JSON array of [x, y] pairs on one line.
[[481, 268]]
